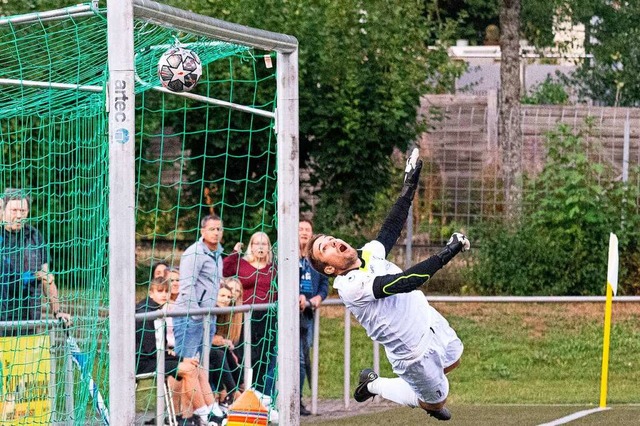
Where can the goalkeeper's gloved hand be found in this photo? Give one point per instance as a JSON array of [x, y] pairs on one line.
[[411, 175], [457, 237], [457, 243]]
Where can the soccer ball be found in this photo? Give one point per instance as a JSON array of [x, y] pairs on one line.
[[179, 69]]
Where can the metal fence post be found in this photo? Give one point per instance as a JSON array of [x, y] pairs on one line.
[[316, 361], [347, 357]]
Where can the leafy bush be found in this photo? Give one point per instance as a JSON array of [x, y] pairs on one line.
[[549, 92], [560, 245]]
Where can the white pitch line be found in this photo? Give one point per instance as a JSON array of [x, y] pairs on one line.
[[574, 416]]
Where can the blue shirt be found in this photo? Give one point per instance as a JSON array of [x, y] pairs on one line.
[[306, 286]]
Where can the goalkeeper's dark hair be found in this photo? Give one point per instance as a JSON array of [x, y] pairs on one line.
[[316, 264]]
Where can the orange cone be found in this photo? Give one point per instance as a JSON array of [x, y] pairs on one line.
[[247, 410]]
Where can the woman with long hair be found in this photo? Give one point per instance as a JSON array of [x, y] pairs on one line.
[[257, 272], [228, 333]]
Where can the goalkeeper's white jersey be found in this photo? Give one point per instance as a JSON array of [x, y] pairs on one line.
[[400, 322]]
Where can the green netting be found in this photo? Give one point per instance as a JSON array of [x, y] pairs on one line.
[[193, 158]]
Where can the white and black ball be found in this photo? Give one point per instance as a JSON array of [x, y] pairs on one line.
[[179, 69]]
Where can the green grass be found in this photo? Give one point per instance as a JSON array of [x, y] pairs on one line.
[[514, 354], [489, 415]]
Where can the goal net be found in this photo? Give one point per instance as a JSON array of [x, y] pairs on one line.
[[210, 151]]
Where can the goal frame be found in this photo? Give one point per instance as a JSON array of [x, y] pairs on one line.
[[121, 109]]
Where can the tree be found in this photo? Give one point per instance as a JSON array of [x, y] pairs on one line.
[[363, 66], [611, 76], [474, 16], [509, 131]]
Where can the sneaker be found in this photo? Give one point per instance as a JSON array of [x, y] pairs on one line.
[[361, 393], [190, 421], [199, 421], [215, 420], [304, 411], [217, 411], [274, 416], [441, 414]]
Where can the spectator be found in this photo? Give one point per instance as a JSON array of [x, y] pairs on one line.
[[257, 271], [174, 284], [159, 269], [235, 286], [200, 275], [223, 360], [314, 288], [231, 326], [188, 379], [174, 288], [24, 266]]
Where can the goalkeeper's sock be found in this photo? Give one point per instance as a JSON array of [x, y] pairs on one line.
[[396, 390]]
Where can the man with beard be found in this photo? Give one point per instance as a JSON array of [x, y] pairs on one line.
[[418, 340]]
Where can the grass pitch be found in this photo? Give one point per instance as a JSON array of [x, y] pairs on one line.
[[514, 353], [489, 415]]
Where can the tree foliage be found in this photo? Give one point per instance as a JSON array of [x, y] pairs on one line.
[[475, 15], [549, 92], [363, 67], [613, 37]]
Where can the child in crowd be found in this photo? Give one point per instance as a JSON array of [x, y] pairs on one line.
[[184, 374]]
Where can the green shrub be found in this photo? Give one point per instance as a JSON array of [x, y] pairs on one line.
[[549, 92], [560, 245]]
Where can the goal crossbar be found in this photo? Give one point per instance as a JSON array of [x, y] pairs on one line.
[[27, 18], [212, 27], [99, 89]]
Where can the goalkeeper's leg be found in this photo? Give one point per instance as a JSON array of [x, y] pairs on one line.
[[396, 390]]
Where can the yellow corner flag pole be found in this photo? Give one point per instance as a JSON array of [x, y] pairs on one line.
[[612, 289]]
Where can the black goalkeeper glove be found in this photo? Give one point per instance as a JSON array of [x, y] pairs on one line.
[[457, 243]]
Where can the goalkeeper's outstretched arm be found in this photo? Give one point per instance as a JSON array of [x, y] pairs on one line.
[[418, 274], [397, 217]]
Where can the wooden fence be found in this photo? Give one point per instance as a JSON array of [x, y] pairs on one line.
[[463, 181]]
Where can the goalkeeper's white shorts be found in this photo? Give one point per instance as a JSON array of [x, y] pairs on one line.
[[425, 374]]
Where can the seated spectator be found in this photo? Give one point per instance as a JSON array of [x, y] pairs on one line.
[[231, 326], [223, 346], [186, 378], [173, 275], [174, 288]]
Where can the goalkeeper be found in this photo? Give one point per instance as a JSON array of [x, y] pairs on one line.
[[418, 340]]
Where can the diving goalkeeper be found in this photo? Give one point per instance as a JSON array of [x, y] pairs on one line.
[[418, 340]]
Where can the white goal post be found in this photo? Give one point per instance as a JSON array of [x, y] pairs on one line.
[[121, 106]]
